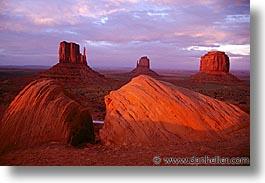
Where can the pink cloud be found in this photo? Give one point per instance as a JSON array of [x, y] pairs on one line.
[[121, 29]]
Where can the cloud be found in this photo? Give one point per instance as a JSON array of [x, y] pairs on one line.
[[123, 30], [234, 49]]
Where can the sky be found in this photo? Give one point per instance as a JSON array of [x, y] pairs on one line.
[[174, 34]]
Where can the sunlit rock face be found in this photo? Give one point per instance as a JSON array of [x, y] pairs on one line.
[[215, 61], [214, 67], [149, 112], [43, 112], [87, 85], [72, 66], [70, 53]]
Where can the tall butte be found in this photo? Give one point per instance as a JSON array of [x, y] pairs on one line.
[[69, 53], [214, 67], [143, 67], [72, 66], [72, 72]]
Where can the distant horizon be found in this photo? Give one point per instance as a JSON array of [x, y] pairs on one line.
[[111, 68], [116, 33]]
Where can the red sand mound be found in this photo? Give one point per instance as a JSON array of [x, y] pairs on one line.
[[149, 112], [42, 112]]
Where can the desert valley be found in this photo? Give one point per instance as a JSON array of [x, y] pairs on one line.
[[71, 114]]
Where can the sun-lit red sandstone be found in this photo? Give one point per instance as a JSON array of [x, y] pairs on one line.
[[87, 85], [70, 53], [43, 112], [72, 66], [148, 112], [214, 67], [215, 61]]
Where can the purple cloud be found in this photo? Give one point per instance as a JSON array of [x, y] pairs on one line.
[[118, 32]]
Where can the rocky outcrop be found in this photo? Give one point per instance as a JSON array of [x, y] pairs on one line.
[[72, 66], [143, 62], [143, 67], [214, 67], [215, 61], [87, 85], [149, 112], [43, 112], [70, 53]]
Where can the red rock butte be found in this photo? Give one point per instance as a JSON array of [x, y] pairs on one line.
[[143, 67], [149, 112], [143, 62], [72, 66], [70, 53], [214, 67], [215, 61]]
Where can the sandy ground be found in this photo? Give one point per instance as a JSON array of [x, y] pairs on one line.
[[61, 155]]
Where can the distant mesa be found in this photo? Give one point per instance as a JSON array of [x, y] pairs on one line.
[[72, 66], [148, 112], [215, 62], [44, 112], [70, 53], [144, 62], [214, 67], [143, 67]]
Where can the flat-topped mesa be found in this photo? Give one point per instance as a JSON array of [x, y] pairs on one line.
[[70, 53], [214, 67], [143, 62], [215, 61]]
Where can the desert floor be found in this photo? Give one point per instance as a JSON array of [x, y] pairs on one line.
[[14, 80]]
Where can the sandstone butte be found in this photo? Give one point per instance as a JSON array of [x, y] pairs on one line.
[[215, 61], [43, 112], [214, 66], [143, 67], [72, 66], [149, 112], [70, 53]]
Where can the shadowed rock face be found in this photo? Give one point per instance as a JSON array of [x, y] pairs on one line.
[[143, 67], [143, 62], [70, 53], [149, 112], [43, 112], [215, 61]]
